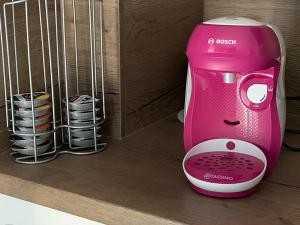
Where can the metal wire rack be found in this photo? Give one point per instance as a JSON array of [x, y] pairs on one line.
[[48, 111]]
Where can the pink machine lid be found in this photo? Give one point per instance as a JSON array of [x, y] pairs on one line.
[[233, 48]]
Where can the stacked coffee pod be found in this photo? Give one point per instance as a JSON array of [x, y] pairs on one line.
[[23, 119], [81, 115]]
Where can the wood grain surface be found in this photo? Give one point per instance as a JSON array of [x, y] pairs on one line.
[[142, 182], [284, 14], [154, 35]]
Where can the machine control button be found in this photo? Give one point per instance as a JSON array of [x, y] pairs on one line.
[[230, 145], [257, 93], [257, 90]]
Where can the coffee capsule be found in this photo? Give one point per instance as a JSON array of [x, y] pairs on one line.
[[83, 115], [27, 122], [83, 132], [28, 141], [27, 113], [24, 100], [84, 142], [29, 130], [81, 102], [40, 149], [83, 123]]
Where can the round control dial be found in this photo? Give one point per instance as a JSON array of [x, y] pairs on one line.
[[257, 92]]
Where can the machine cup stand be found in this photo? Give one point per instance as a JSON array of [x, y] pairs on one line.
[[225, 168]]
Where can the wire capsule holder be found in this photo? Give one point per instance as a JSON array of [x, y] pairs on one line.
[[53, 78]]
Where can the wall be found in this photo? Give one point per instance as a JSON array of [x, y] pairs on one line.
[[154, 35]]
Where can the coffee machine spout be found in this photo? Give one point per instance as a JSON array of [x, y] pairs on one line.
[[229, 78]]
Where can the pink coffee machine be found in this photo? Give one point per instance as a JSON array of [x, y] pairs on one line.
[[234, 116]]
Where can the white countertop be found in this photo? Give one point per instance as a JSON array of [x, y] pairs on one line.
[[14, 211]]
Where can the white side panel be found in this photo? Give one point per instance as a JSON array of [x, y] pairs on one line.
[[14, 211], [215, 145], [188, 91], [280, 96], [180, 116]]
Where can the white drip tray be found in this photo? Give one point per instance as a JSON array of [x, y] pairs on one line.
[[14, 211]]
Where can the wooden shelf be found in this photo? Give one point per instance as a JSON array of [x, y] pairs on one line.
[[140, 181]]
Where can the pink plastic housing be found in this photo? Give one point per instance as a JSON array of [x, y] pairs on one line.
[[221, 110]]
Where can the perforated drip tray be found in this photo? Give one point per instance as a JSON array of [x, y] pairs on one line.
[[224, 167], [228, 168]]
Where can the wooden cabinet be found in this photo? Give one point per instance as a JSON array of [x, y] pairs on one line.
[[140, 180], [153, 65], [145, 62]]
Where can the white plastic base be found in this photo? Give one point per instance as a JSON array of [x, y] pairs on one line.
[[217, 145]]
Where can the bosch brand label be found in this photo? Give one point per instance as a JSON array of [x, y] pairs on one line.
[[221, 41], [209, 176]]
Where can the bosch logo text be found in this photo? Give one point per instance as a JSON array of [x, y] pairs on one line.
[[221, 41]]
